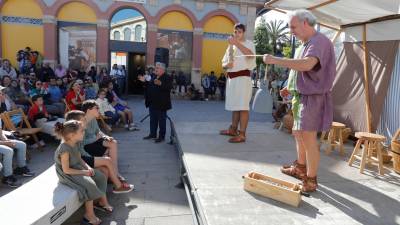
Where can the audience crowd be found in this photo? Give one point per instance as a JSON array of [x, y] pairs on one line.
[[45, 95], [68, 104]]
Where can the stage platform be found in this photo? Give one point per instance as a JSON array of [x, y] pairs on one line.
[[214, 170]]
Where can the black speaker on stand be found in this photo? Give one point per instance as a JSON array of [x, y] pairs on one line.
[[162, 55]]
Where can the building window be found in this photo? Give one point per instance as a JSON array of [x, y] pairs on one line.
[[117, 35], [138, 33], [127, 34]]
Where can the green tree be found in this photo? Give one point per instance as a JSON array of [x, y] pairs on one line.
[[261, 41], [277, 32]]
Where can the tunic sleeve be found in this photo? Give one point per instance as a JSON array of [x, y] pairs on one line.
[[225, 58], [317, 52]]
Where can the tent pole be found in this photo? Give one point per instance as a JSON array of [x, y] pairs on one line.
[[336, 36], [366, 80]]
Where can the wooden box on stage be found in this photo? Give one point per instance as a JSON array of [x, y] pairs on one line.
[[270, 187]]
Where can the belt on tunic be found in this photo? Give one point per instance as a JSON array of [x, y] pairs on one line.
[[241, 73]]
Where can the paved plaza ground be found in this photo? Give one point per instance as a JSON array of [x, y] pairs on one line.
[[216, 168]]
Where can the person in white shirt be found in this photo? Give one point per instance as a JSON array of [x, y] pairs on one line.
[[106, 109], [239, 62], [115, 71]]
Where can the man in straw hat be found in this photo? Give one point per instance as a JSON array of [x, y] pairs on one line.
[[238, 84], [310, 82]]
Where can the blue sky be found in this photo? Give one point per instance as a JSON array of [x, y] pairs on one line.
[[125, 14]]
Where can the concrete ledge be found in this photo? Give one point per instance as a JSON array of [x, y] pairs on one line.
[[41, 201]]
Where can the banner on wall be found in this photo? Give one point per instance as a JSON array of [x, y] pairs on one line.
[[180, 44], [77, 47]]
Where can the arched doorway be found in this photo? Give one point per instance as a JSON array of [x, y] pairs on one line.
[[175, 32], [128, 44], [77, 37], [21, 27]]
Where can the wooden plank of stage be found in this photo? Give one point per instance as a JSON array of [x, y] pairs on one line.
[[215, 168]]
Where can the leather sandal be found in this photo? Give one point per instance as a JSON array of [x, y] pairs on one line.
[[85, 221], [296, 170], [121, 178], [229, 132], [238, 138], [105, 209], [309, 184]]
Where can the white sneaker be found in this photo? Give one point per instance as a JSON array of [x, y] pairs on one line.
[[131, 128], [41, 143], [126, 126], [133, 125]]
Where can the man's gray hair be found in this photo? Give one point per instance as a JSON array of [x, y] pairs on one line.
[[303, 15], [161, 65]]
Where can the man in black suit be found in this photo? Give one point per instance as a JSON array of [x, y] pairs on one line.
[[158, 100]]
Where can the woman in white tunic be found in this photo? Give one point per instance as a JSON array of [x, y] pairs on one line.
[[238, 85]]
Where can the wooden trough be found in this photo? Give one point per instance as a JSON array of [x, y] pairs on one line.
[[270, 187]]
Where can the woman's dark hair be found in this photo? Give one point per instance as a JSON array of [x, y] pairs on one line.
[[240, 26], [68, 127], [106, 83], [72, 85], [103, 69], [36, 97], [5, 76], [88, 104], [74, 115]]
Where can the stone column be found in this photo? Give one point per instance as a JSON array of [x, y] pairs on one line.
[[50, 40], [151, 43], [102, 48], [197, 56], [250, 22]]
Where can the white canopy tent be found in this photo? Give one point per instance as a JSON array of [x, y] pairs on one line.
[[338, 13], [355, 21]]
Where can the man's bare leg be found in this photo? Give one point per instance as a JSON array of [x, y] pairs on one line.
[[312, 152], [244, 121], [235, 119], [300, 147]]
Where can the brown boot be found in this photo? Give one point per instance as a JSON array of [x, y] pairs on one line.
[[309, 184], [296, 170], [239, 138], [232, 131]]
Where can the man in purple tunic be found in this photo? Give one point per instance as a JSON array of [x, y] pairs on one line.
[[310, 82]]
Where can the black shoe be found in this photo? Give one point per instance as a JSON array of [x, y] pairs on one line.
[[158, 140], [149, 137], [23, 171], [11, 181]]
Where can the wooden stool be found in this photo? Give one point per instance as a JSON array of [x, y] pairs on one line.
[[371, 142], [335, 138]]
